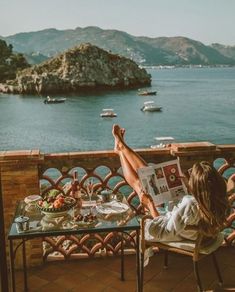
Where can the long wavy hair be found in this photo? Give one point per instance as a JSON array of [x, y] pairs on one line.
[[209, 189]]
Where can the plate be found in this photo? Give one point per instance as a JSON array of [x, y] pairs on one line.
[[88, 204], [32, 199], [83, 224], [112, 207]]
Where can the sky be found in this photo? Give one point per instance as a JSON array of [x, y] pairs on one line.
[[208, 21]]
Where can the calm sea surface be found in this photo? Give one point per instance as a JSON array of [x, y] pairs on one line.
[[198, 105]]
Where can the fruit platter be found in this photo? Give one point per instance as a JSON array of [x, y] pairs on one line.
[[55, 204]]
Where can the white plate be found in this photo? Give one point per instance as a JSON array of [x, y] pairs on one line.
[[88, 204], [112, 207], [32, 199]]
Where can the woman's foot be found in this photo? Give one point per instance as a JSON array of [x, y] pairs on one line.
[[118, 134], [122, 132]]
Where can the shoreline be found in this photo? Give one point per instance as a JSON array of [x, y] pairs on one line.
[[185, 66]]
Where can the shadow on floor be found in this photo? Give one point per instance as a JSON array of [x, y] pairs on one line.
[[103, 274]]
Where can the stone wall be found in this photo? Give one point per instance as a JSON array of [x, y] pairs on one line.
[[19, 174]]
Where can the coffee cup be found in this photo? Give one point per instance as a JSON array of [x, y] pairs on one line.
[[119, 197], [22, 223], [107, 195]]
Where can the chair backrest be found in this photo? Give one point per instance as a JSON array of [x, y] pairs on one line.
[[206, 245]]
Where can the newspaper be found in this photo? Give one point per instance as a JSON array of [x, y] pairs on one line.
[[162, 181]]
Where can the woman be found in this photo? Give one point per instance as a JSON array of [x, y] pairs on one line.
[[206, 207]]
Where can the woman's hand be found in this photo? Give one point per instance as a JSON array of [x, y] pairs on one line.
[[185, 180]]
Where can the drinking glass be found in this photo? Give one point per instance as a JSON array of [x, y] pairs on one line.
[[90, 190]]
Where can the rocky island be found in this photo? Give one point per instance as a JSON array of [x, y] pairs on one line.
[[82, 67]]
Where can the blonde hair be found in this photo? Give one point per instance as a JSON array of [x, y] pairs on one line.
[[209, 189]]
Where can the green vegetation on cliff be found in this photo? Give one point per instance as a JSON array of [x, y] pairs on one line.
[[10, 63]]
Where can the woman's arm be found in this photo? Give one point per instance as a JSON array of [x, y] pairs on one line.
[[169, 227]]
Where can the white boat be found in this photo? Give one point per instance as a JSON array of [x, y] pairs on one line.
[[146, 92], [150, 106], [50, 100], [163, 142], [108, 113]]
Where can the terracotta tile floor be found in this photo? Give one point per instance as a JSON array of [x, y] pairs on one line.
[[103, 274]]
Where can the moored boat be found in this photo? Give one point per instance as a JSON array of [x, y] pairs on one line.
[[150, 106], [50, 100], [146, 92], [163, 142], [108, 113]]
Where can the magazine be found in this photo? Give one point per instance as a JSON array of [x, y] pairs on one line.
[[162, 181]]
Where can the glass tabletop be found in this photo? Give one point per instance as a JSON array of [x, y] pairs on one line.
[[41, 225]]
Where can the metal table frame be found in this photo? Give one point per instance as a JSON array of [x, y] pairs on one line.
[[131, 225]]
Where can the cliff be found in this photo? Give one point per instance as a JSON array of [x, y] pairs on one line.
[[85, 66]]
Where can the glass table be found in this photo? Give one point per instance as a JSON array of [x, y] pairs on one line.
[[35, 230]]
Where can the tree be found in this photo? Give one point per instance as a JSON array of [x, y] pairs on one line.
[[5, 51], [10, 62]]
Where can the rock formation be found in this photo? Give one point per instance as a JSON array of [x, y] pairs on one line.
[[82, 67]]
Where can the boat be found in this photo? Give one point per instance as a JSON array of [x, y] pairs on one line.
[[164, 141], [150, 106], [146, 92], [108, 113], [50, 100]]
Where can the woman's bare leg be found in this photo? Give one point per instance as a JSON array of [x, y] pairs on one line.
[[121, 147], [130, 162], [130, 174]]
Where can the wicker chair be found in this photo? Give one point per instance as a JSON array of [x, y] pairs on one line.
[[230, 236], [227, 170], [195, 250]]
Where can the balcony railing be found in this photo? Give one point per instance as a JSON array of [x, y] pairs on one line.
[[30, 172]]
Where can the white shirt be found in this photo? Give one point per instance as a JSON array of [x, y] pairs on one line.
[[171, 226]]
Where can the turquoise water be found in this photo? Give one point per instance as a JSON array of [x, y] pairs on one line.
[[198, 105]]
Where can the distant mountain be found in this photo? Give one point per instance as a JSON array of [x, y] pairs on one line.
[[143, 50], [228, 51], [189, 51]]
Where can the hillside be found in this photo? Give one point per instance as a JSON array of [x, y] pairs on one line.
[[82, 67], [189, 51], [228, 51], [143, 50]]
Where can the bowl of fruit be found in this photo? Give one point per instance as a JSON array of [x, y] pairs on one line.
[[55, 204]]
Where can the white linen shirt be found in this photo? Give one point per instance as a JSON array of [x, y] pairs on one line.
[[171, 226]]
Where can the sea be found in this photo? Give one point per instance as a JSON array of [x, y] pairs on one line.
[[198, 104]]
